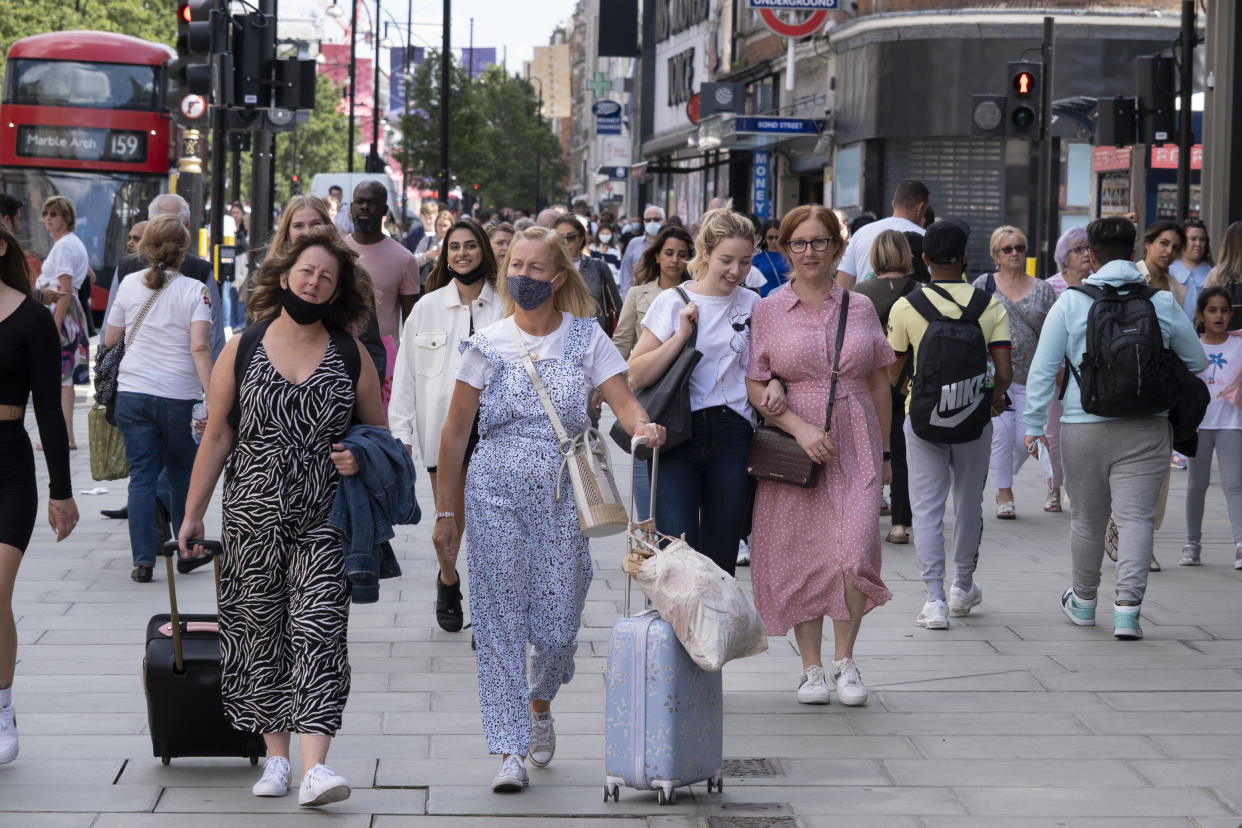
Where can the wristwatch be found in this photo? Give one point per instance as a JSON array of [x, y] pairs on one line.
[[445, 514]]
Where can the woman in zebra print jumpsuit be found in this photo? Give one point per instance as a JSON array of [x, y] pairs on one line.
[[284, 601]]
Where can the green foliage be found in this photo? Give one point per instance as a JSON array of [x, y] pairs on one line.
[[495, 135], [149, 19]]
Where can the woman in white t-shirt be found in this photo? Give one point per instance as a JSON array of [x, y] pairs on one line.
[[64, 271], [1220, 433], [705, 491], [166, 367], [528, 563]]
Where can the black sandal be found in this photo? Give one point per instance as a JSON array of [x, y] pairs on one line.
[[449, 614]]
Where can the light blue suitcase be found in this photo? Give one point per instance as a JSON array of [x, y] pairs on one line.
[[664, 715]]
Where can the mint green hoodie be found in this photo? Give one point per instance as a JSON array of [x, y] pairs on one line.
[[1064, 335]]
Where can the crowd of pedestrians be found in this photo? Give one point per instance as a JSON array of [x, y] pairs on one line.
[[478, 342]]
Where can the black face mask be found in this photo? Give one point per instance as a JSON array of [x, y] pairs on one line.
[[471, 277], [303, 312]]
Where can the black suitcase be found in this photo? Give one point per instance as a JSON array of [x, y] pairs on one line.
[[181, 674]]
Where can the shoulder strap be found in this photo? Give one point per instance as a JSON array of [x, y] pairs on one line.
[[978, 303], [529, 365], [926, 309], [249, 343], [347, 347], [1091, 290], [694, 328], [990, 284], [836, 358]]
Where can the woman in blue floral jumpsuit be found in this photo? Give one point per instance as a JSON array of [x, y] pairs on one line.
[[529, 565]]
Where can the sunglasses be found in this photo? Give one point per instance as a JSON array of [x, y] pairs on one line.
[[1013, 248]]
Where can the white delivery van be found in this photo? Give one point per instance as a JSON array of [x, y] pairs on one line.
[[348, 181]]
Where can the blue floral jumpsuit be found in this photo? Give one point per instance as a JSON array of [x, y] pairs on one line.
[[529, 564]]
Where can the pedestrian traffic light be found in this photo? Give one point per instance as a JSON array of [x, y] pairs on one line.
[[254, 57], [987, 116], [1116, 122], [1155, 80], [1023, 99]]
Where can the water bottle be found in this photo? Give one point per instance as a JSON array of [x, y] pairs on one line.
[[198, 415]]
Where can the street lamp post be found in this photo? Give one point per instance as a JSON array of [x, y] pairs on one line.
[[374, 162], [538, 150], [353, 86], [444, 101]]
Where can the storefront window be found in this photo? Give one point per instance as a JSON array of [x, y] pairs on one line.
[[849, 177]]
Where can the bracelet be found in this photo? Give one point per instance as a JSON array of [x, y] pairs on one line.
[[886, 455], [445, 515]]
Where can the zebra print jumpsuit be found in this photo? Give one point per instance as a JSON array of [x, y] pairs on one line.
[[284, 598]]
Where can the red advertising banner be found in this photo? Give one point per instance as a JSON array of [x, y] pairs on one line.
[[1165, 157], [1111, 158]]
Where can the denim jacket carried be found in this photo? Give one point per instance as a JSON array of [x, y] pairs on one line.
[[368, 505]]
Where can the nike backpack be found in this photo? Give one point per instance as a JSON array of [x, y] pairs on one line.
[[1125, 371], [949, 399]]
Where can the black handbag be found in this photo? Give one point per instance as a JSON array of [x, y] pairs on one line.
[[667, 401], [774, 453]]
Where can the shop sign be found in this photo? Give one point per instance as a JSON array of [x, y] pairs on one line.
[[607, 117], [1110, 158], [1166, 157], [777, 126], [761, 194]]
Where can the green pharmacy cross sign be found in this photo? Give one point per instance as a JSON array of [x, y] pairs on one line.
[[600, 84]]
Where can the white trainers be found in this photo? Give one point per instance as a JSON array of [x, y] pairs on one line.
[[8, 735], [961, 603], [1237, 557], [743, 553], [851, 691], [275, 779], [322, 786], [542, 740], [813, 686], [934, 616], [512, 777]]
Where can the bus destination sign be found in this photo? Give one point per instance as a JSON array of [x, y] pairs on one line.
[[82, 143]]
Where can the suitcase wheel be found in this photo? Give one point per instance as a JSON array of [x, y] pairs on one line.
[[614, 791], [716, 783], [666, 796], [166, 759], [254, 760]]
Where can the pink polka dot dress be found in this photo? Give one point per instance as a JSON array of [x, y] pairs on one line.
[[808, 543]]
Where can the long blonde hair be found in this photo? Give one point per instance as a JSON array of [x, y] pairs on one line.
[[716, 226], [572, 296]]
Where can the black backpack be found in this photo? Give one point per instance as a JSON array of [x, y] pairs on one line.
[[949, 402], [249, 343], [1126, 371]]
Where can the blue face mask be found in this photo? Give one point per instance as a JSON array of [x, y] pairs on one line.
[[528, 293], [636, 227], [653, 227]]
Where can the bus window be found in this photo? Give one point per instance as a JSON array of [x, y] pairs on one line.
[[33, 82]]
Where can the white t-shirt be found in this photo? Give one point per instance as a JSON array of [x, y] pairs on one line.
[[601, 362], [158, 361], [857, 259], [723, 340], [1224, 361], [66, 256]]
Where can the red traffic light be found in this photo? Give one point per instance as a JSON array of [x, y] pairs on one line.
[[183, 12], [1024, 84]]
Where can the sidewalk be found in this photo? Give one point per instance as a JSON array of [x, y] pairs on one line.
[[1014, 717]]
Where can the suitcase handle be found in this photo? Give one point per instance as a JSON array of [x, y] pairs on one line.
[[169, 550], [636, 441]]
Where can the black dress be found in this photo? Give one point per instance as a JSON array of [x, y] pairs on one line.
[[30, 365]]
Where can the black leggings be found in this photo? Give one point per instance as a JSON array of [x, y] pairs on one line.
[[19, 496]]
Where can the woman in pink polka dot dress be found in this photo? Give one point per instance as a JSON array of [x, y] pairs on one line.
[[816, 552]]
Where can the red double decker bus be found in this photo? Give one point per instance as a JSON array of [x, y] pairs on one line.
[[82, 116]]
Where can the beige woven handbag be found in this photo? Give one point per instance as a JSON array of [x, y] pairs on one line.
[[600, 510]]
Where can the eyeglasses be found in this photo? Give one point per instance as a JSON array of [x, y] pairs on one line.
[[818, 245], [1013, 248], [572, 237], [1079, 250]]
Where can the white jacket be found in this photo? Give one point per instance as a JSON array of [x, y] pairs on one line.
[[426, 367]]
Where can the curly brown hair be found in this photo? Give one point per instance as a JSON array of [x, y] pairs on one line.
[[441, 274], [355, 294], [164, 244]]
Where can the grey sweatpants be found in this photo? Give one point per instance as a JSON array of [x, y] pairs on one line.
[[1227, 444], [1114, 466], [934, 469]]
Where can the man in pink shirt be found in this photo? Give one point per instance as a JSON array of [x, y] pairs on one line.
[[392, 267]]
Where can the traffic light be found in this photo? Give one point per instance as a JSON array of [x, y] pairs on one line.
[[1116, 122], [1023, 99], [295, 184], [987, 116], [202, 30], [1155, 80], [254, 58]]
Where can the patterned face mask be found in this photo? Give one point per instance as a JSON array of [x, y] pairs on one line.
[[528, 293]]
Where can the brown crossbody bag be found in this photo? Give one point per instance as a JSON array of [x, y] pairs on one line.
[[774, 453]]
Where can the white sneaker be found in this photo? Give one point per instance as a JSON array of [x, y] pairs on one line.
[[275, 779], [322, 786], [512, 777], [961, 603], [542, 740], [743, 553], [8, 735], [813, 686], [1237, 557], [851, 691], [934, 616]]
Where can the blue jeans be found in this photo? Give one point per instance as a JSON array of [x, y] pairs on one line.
[[157, 436], [234, 310], [704, 491]]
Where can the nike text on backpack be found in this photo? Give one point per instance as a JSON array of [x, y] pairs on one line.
[[949, 399], [1126, 371]]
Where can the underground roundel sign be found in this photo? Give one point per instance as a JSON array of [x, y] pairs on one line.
[[808, 25]]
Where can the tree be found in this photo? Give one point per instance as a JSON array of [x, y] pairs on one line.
[[495, 134], [149, 19]]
